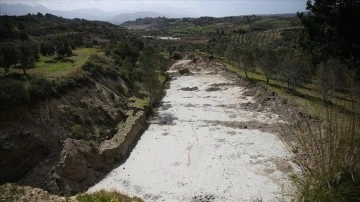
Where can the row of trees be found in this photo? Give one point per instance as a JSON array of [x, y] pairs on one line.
[[59, 46], [288, 65]]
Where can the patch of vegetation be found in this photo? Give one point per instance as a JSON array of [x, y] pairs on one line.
[[22, 89], [191, 29], [54, 67], [332, 164], [139, 103], [104, 196], [77, 131]]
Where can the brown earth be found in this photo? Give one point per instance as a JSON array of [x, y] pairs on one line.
[[64, 145]]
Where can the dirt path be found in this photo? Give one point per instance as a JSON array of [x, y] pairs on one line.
[[194, 151]]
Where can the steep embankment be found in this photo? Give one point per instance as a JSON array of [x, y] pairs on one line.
[[66, 144]]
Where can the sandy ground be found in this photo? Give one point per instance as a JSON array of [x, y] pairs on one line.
[[189, 152]]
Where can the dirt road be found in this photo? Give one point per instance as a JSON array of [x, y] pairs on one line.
[[196, 150]]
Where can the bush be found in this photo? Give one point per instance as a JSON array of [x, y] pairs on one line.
[[176, 55], [77, 131], [98, 65], [40, 88], [191, 55], [12, 92], [184, 71]]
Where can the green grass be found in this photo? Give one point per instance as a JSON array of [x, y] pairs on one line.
[[139, 103], [48, 66]]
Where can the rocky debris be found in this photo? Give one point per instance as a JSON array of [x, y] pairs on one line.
[[250, 92], [184, 71], [251, 125], [210, 89], [166, 106], [13, 192], [76, 158], [166, 119], [220, 84], [189, 88], [72, 165], [189, 105], [203, 198]]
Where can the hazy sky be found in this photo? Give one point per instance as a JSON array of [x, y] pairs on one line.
[[194, 7]]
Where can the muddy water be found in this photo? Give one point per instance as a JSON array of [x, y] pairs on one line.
[[191, 151]]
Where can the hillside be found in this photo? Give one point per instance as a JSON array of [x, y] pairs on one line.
[[123, 17], [71, 91]]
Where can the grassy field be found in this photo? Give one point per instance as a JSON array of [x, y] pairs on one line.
[[51, 67]]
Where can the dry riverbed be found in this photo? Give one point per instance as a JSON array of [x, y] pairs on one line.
[[205, 145]]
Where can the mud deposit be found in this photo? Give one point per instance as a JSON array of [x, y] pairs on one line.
[[200, 147]]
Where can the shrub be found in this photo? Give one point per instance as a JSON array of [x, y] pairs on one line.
[[77, 131], [329, 151], [191, 55], [176, 55], [40, 89], [184, 71], [12, 92]]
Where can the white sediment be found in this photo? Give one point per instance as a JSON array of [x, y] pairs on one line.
[[196, 155]]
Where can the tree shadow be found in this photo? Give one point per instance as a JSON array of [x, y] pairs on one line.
[[326, 103], [59, 59]]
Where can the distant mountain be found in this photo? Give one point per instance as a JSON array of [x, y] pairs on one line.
[[21, 9], [89, 14], [123, 17]]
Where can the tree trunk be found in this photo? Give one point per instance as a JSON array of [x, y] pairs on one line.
[[288, 84], [246, 74]]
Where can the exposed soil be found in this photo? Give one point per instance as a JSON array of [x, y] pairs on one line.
[[38, 145]]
